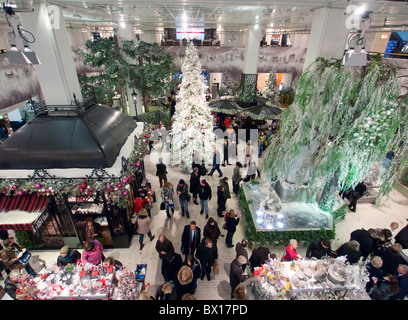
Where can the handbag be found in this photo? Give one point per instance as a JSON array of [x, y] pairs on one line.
[[216, 267], [224, 226], [162, 206]]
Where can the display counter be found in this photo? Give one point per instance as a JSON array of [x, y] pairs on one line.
[[324, 279]]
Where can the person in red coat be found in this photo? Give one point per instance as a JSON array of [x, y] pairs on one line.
[[291, 251]]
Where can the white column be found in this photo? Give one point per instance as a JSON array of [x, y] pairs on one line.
[[56, 73], [328, 36], [253, 39]]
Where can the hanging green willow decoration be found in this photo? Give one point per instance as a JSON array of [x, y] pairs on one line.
[[343, 120]]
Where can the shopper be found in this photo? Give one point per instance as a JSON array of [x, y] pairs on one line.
[[248, 153], [68, 256], [171, 265], [237, 275], [212, 230], [190, 238], [391, 257], [251, 172], [402, 237], [241, 250], [10, 284], [205, 195], [374, 271], [236, 177], [167, 198], [166, 292], [194, 184], [10, 257], [227, 194], [402, 277], [194, 265], [261, 143], [384, 289], [216, 164], [161, 172], [291, 251], [220, 201], [143, 226], [163, 246], [91, 230], [2, 266], [207, 253], [231, 225], [226, 146], [259, 256], [355, 195], [92, 252], [318, 249], [351, 250], [184, 198], [183, 282], [111, 261], [367, 239]]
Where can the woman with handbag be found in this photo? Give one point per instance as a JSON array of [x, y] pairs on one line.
[[167, 198], [143, 226]]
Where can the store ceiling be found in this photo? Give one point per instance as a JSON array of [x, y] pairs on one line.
[[230, 14]]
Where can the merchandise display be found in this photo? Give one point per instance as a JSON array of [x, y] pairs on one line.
[[314, 279]]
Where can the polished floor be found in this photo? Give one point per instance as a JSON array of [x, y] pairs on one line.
[[367, 216]]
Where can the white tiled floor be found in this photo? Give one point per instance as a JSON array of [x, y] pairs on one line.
[[218, 288]]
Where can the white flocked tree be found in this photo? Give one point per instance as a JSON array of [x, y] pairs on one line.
[[192, 127], [271, 92]]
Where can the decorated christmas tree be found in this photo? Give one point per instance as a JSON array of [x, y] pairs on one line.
[[270, 91], [192, 128], [343, 121]]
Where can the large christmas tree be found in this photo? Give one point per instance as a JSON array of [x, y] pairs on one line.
[[270, 91], [192, 128]]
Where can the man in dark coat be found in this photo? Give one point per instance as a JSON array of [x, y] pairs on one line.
[[216, 164], [356, 194], [171, 265], [207, 253], [402, 277], [391, 258], [161, 172], [367, 240], [68, 256], [237, 275], [190, 238], [402, 237], [259, 256], [194, 184], [205, 195], [318, 249]]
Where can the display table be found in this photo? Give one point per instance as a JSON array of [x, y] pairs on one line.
[[324, 279]]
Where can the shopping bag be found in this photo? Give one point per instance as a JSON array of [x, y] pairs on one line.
[[216, 267]]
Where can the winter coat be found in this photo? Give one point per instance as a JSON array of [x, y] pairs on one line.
[[382, 291], [235, 276], [291, 254], [207, 254], [183, 189], [227, 194], [161, 169], [366, 241], [402, 237], [183, 287], [10, 288], [315, 249], [236, 175], [241, 250], [165, 246], [186, 238], [194, 183], [351, 255], [71, 258], [373, 272], [403, 287], [94, 255], [97, 230], [212, 232], [171, 265], [258, 257], [391, 260], [232, 224], [143, 224], [220, 201], [205, 192], [9, 257]]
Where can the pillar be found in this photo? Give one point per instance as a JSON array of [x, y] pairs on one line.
[[57, 73], [328, 35]]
